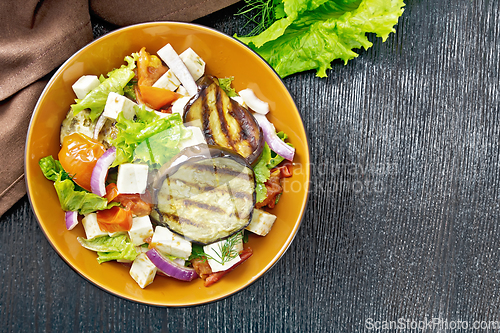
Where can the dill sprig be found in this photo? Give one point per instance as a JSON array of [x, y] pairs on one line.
[[262, 14], [227, 250]]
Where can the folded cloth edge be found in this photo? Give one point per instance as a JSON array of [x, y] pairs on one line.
[[152, 10], [12, 194]]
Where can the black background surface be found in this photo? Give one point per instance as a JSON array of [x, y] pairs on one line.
[[402, 220]]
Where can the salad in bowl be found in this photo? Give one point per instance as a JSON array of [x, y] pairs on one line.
[[169, 168]]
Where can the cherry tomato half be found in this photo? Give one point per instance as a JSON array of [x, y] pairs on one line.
[[114, 219], [78, 156]]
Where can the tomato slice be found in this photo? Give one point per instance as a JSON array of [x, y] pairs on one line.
[[157, 97], [149, 68], [111, 192], [78, 156], [115, 219], [214, 277], [286, 170], [133, 202], [273, 187]]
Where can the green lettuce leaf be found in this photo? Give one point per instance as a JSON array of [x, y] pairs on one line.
[[71, 196], [262, 173], [314, 33], [116, 82], [268, 159], [127, 254], [260, 192], [51, 168], [286, 13], [129, 89], [104, 243], [149, 138], [160, 148], [82, 201], [225, 84], [110, 248]]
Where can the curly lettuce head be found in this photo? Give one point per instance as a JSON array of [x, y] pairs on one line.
[[313, 33]]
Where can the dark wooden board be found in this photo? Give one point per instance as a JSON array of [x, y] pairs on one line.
[[402, 222]]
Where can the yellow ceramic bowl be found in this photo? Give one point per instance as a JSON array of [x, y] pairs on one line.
[[224, 57]]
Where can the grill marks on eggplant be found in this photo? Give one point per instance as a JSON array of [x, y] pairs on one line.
[[207, 200], [205, 116], [216, 169], [224, 122], [204, 206], [205, 188]]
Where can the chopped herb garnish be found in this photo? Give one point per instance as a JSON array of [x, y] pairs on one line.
[[225, 252]]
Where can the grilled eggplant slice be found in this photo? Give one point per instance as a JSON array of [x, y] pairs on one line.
[[205, 194], [224, 121], [81, 123]]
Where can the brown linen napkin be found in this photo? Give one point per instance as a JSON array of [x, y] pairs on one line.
[[36, 37]]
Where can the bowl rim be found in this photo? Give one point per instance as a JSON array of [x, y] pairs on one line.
[[88, 278]]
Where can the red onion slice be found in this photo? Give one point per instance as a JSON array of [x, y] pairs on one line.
[[98, 179], [71, 218], [275, 143], [170, 268]]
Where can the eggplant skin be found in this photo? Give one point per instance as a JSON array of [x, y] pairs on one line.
[[205, 199], [224, 121]]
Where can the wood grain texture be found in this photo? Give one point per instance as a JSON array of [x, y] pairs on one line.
[[403, 215]]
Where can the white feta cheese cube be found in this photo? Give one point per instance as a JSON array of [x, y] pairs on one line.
[[253, 102], [196, 138], [214, 252], [132, 178], [169, 243], [193, 62], [238, 247], [167, 81], [261, 223], [84, 85], [178, 106], [143, 271], [175, 63], [91, 227], [182, 91], [140, 230], [117, 103]]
